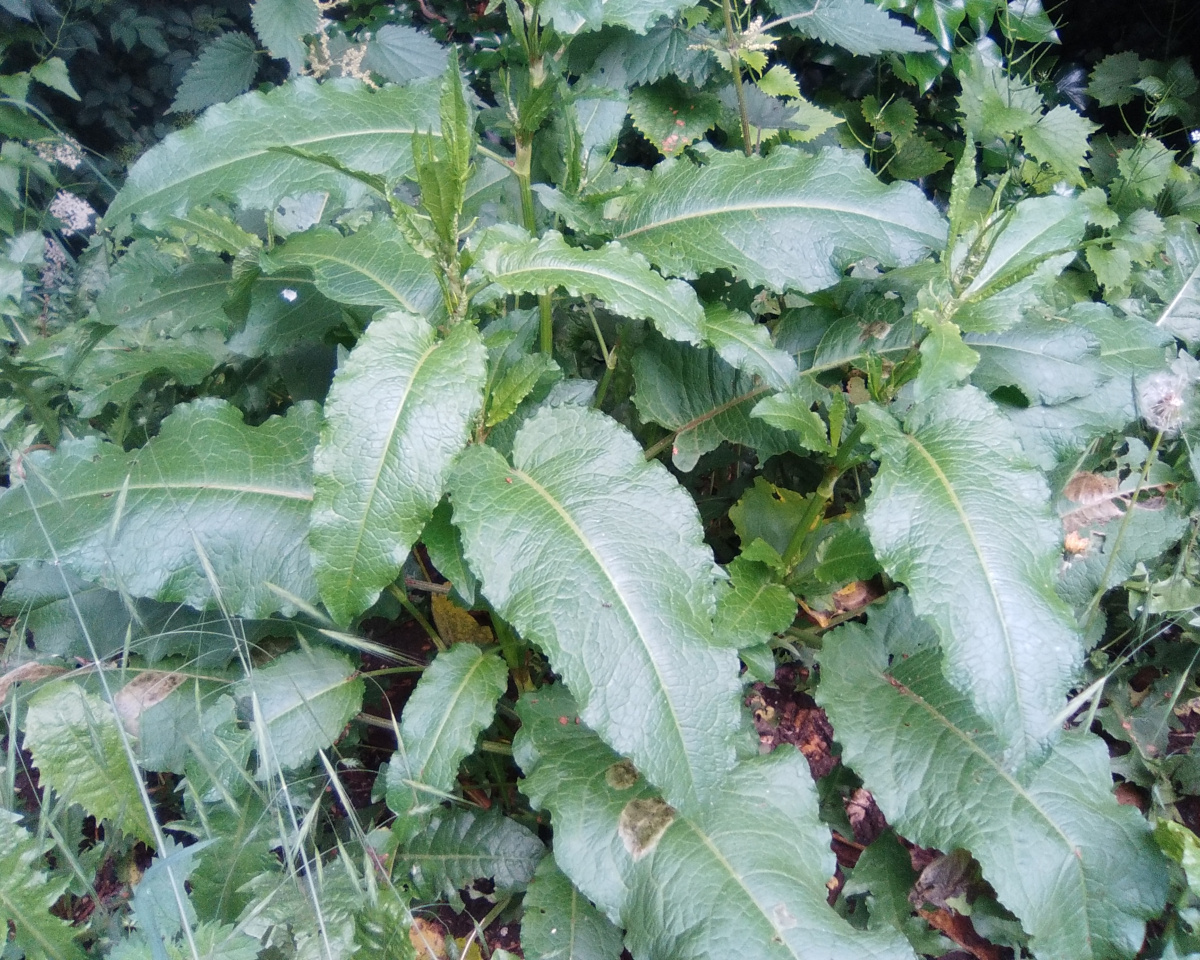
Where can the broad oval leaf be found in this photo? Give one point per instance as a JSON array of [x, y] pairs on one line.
[[300, 703], [1080, 872], [791, 220], [958, 515], [454, 700], [598, 556], [231, 151], [623, 280], [398, 412], [76, 746], [756, 864], [208, 495], [743, 876], [374, 267]]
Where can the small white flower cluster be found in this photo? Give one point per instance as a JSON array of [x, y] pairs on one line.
[[67, 151], [73, 212]]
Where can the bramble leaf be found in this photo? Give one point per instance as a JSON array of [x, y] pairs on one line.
[[981, 566], [598, 557], [207, 495], [1079, 871], [282, 26], [229, 151], [789, 220], [454, 700], [378, 476], [76, 746], [401, 54]]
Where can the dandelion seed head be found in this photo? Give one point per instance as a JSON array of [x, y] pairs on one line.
[[1162, 401]]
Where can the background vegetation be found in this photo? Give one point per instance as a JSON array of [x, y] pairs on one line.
[[587, 478]]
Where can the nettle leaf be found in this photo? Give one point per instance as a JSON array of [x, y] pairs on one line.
[[672, 115], [300, 702], [1080, 872], [668, 48], [231, 151], [1114, 79], [746, 345], [756, 859], [1060, 140], [574, 16], [208, 495], [702, 400], [1048, 361], [225, 69], [373, 267], [282, 26], [855, 25], [454, 700], [463, 845], [623, 280], [559, 923], [402, 54], [27, 893], [792, 219], [598, 556], [77, 749], [398, 412], [956, 514]]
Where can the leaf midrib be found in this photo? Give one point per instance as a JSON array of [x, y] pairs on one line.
[[657, 297], [988, 577], [1017, 789], [633, 620]]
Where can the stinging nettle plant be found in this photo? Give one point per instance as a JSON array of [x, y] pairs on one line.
[[624, 418]]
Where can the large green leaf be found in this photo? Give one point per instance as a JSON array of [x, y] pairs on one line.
[[454, 700], [374, 267], [560, 924], [599, 557], [956, 513], [208, 495], [399, 411], [792, 219], [746, 345], [623, 280], [300, 703], [855, 25], [232, 150], [27, 894], [76, 746], [572, 16], [1080, 872], [1048, 361], [702, 400], [743, 876], [463, 845]]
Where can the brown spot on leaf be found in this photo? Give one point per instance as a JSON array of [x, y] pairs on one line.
[[621, 775], [642, 824]]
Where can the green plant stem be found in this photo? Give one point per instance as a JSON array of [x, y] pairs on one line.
[[522, 165], [416, 614], [819, 500], [736, 69]]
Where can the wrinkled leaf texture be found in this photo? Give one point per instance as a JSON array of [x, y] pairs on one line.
[[1078, 870], [790, 220], [599, 558], [398, 412], [958, 515], [208, 491], [228, 151]]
